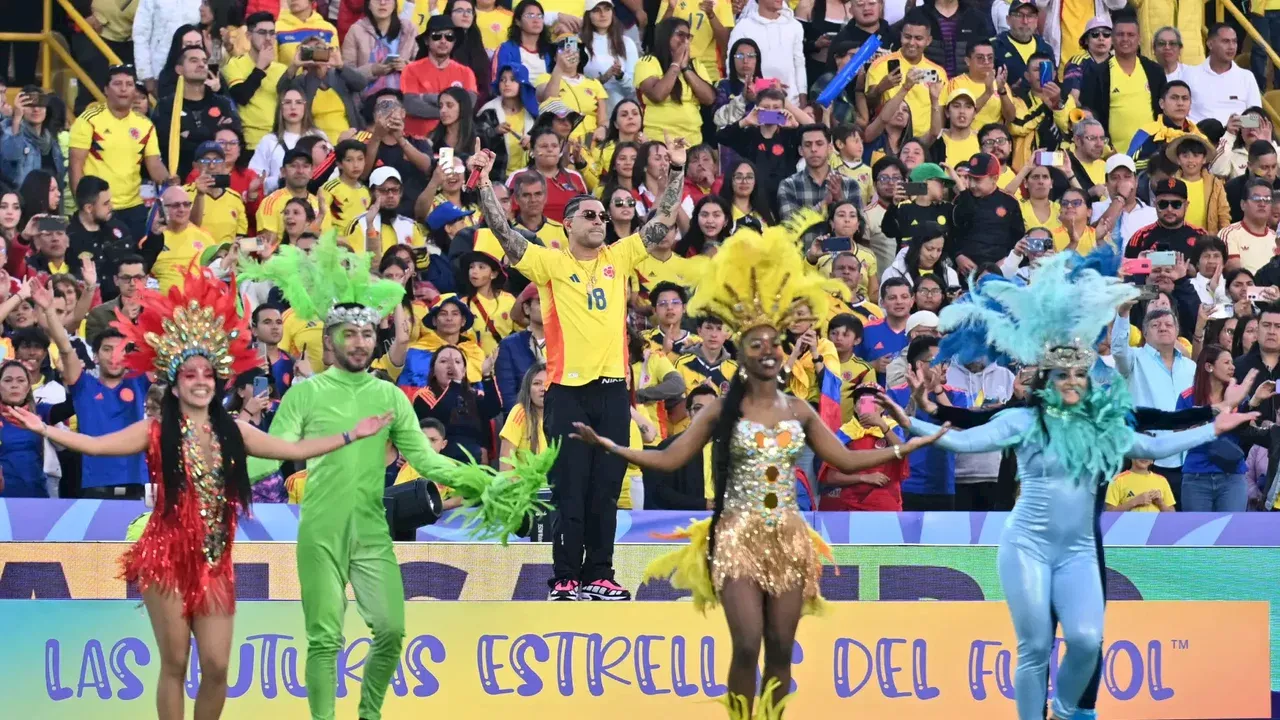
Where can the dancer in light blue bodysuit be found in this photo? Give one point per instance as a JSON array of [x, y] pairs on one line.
[[1072, 438]]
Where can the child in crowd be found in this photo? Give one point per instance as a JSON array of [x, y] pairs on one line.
[[1140, 490]]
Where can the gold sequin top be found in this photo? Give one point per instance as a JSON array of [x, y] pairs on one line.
[[762, 461]]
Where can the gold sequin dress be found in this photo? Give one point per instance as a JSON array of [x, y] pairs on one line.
[[761, 535]]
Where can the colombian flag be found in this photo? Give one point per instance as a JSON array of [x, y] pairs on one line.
[[829, 398]]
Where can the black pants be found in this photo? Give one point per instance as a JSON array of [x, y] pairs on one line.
[[1174, 476], [586, 481], [914, 502], [978, 496], [133, 491]]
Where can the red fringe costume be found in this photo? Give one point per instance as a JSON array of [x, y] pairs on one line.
[[186, 549]]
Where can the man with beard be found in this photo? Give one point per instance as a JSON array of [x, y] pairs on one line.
[[343, 534], [583, 293]]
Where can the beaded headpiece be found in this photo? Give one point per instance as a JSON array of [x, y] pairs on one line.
[[1065, 357], [315, 283], [196, 318], [762, 279]]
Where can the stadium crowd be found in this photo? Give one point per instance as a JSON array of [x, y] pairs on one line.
[[979, 138]]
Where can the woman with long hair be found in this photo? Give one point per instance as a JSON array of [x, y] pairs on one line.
[[626, 125], [528, 40], [923, 255], [581, 94], [468, 46], [40, 195], [29, 140], [504, 122], [456, 128], [620, 203], [755, 555], [523, 427], [11, 240], [490, 303], [930, 294], [1221, 331], [652, 170], [1246, 336], [465, 410], [891, 127], [299, 219], [184, 37], [746, 197], [246, 406], [711, 225], [1213, 474], [379, 45], [21, 449], [293, 122], [674, 85], [845, 220], [743, 70], [1072, 437], [622, 169], [196, 455], [613, 55]]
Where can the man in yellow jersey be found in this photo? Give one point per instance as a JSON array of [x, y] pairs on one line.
[[174, 241], [1086, 160], [887, 76], [710, 22], [583, 295], [980, 81], [217, 209], [298, 23], [1015, 46], [382, 227], [297, 174], [111, 141], [1124, 93], [252, 78]]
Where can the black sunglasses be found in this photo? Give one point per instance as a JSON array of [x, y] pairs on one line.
[[1166, 204], [592, 216], [1095, 34], [623, 202], [442, 35]]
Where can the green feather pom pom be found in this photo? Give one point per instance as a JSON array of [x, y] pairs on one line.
[[499, 503]]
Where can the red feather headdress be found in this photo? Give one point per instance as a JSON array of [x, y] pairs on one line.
[[198, 317]]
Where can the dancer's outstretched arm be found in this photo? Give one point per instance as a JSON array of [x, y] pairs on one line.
[[260, 444], [992, 436], [129, 441], [669, 459], [827, 447], [1146, 446]]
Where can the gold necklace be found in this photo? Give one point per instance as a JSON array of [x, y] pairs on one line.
[[591, 276]]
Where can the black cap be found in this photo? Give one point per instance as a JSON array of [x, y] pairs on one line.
[[1170, 186], [440, 22], [841, 47], [1017, 5], [984, 165], [294, 154]]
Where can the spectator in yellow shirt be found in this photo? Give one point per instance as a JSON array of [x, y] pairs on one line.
[[438, 439], [216, 208], [174, 239], [523, 428], [1140, 490]]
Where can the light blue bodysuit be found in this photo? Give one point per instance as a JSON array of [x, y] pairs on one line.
[[1047, 558]]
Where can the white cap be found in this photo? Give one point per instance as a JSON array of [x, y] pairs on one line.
[[922, 317], [1120, 160], [382, 174], [593, 4]]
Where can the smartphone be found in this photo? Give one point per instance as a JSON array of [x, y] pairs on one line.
[[1038, 244], [315, 53], [393, 57], [1254, 293], [1165, 258], [772, 117], [222, 181], [42, 100], [213, 68], [1135, 266], [571, 43], [261, 386], [250, 244], [52, 223], [894, 65], [916, 189], [837, 244], [1250, 121], [1046, 73], [928, 76], [1147, 293], [1049, 158], [445, 158]]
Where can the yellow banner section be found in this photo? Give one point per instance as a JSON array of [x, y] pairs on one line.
[[537, 661]]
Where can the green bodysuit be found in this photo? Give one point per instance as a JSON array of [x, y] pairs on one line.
[[342, 533]]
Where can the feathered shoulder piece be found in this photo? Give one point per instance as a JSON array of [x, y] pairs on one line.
[[330, 275], [1055, 320], [196, 317], [761, 279]]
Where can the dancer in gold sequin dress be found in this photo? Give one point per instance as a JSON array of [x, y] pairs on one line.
[[193, 340], [756, 556]]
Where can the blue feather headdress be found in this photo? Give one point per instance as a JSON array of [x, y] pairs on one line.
[[1054, 321]]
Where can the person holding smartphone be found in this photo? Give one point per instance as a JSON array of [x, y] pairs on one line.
[[216, 208]]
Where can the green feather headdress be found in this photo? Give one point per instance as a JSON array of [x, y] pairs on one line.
[[314, 283]]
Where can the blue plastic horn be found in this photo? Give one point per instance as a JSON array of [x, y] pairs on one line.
[[851, 68]]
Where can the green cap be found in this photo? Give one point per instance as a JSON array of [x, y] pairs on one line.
[[211, 252], [930, 171]]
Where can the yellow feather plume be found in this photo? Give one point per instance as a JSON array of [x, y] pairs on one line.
[[759, 279]]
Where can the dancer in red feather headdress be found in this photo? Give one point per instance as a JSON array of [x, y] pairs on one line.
[[193, 340]]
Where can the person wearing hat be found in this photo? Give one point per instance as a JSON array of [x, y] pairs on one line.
[[1095, 46], [1170, 231], [930, 207], [424, 79], [489, 302], [102, 144], [980, 80], [560, 118], [1207, 206], [567, 82], [1121, 213], [216, 207], [382, 227], [503, 123], [519, 350], [296, 175], [1124, 95], [446, 323], [1015, 46], [1171, 124], [987, 222], [958, 141]]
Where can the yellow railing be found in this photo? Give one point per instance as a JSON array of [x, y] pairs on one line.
[[49, 46], [1225, 7]]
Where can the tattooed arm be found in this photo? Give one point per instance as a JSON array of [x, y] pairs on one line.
[[664, 213], [495, 216]]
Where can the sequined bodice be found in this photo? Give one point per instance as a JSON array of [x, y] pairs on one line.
[[762, 473], [209, 487]]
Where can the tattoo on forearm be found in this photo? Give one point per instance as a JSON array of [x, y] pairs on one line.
[[513, 243], [664, 213]]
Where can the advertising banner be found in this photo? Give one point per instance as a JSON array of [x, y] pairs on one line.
[[1162, 660]]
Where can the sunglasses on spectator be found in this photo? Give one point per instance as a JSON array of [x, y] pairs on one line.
[[675, 302], [1072, 203], [442, 35], [1095, 34], [1177, 204], [624, 202], [1168, 43], [1260, 198], [125, 279], [592, 216], [745, 56], [531, 16], [180, 204]]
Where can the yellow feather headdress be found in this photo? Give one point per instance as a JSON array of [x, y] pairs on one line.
[[759, 279]]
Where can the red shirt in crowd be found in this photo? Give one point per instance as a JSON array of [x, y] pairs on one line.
[[863, 496], [424, 77]]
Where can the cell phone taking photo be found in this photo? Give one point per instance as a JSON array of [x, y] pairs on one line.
[[51, 223], [837, 244]]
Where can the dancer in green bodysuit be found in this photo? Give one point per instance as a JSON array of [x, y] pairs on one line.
[[342, 534]]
